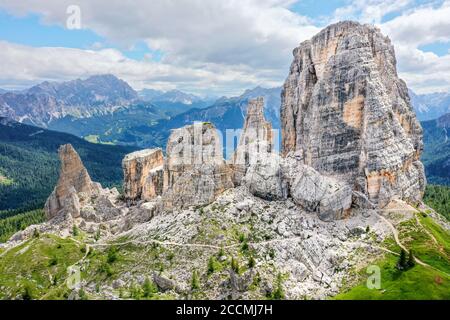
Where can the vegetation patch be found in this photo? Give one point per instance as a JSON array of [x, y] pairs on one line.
[[4, 181], [417, 283], [11, 225], [429, 249], [401, 279], [438, 197], [38, 268]]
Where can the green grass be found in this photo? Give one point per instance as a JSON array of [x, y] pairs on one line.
[[418, 283], [415, 238], [4, 181], [438, 232], [38, 266], [92, 138]]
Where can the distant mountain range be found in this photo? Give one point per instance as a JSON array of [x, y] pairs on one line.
[[225, 113], [93, 106], [173, 96], [48, 101], [430, 106]]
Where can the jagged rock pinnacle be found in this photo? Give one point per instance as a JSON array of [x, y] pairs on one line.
[[74, 183]]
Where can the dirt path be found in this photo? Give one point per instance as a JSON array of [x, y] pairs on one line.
[[426, 230], [193, 245], [397, 240]]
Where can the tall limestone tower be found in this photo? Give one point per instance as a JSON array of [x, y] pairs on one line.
[[346, 113]]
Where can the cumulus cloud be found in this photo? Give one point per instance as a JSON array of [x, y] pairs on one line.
[[25, 65], [251, 33], [423, 25], [424, 71], [219, 46], [369, 11]]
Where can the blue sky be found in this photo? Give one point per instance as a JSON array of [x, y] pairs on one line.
[[163, 46], [315, 9], [29, 30]]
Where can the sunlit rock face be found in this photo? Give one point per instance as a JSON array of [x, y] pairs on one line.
[[256, 138], [195, 172], [346, 113], [143, 174], [74, 185]]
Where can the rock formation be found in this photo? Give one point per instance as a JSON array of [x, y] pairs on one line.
[[256, 138], [195, 172], [346, 113], [143, 174], [264, 177], [74, 185], [329, 198], [269, 176]]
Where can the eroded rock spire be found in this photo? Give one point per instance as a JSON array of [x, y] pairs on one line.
[[74, 185]]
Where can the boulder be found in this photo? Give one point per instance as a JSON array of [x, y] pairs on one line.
[[163, 283], [264, 177], [328, 197]]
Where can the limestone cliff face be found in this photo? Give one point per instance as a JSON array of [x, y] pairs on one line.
[[346, 113], [256, 138], [195, 172], [143, 174], [74, 185]]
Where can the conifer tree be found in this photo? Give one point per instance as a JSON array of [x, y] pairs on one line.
[[402, 264], [411, 260]]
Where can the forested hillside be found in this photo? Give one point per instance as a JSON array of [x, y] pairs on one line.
[[438, 197], [436, 156], [11, 225], [29, 163]]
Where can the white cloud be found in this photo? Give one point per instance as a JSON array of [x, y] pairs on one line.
[[369, 11], [222, 45], [423, 25], [423, 71], [27, 65], [248, 34]]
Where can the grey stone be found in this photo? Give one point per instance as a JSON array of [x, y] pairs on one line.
[[346, 114]]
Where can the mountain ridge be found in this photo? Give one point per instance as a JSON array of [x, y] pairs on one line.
[[42, 103], [430, 106]]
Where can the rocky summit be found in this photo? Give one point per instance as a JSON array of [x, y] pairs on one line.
[[195, 172], [346, 114], [256, 138]]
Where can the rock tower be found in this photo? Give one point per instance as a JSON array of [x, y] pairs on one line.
[[346, 113]]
